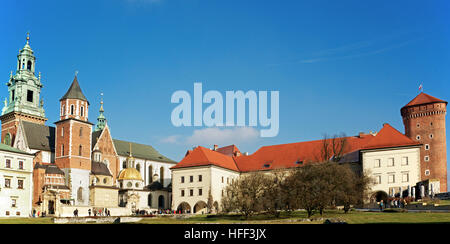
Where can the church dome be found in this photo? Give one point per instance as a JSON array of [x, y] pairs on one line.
[[129, 174]]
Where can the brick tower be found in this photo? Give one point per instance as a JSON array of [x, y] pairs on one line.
[[73, 142], [23, 102], [424, 120]]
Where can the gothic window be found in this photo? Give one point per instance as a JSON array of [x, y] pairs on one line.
[[149, 200], [29, 65], [29, 96], [80, 194], [7, 139], [161, 175], [150, 178]]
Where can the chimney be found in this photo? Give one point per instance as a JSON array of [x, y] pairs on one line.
[[246, 153], [237, 154], [215, 147]]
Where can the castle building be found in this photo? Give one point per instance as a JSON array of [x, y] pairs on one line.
[[424, 120], [391, 158], [16, 183], [75, 164]]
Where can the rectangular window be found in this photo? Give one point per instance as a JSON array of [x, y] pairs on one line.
[[13, 203], [391, 178], [199, 178], [182, 193], [7, 183], [8, 163], [405, 177], [182, 179], [13, 95], [222, 179], [404, 160], [19, 184], [30, 96], [377, 163], [191, 178], [390, 162], [378, 179], [20, 164], [62, 131], [200, 192], [191, 192]]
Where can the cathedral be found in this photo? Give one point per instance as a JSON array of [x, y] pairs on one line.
[[78, 164]]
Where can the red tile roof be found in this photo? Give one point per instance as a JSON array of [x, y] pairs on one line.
[[201, 156], [424, 98], [389, 137], [291, 154]]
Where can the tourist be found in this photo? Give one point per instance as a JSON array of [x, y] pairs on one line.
[[381, 205], [89, 212]]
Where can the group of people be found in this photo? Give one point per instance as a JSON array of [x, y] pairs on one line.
[[96, 212], [393, 203]]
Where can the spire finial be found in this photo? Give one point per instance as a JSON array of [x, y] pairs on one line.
[[28, 37], [130, 150], [76, 73]]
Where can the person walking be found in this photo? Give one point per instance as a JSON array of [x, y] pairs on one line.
[[89, 212], [381, 205]]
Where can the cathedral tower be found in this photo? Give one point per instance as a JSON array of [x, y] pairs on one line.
[[73, 142], [24, 101], [424, 120]]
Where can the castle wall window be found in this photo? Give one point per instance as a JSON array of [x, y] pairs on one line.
[[13, 95], [427, 147], [150, 171], [182, 193], [29, 65], [431, 136], [191, 178], [405, 177], [427, 172], [377, 163], [138, 167], [182, 179], [13, 203], [19, 184], [191, 192], [391, 178], [200, 192], [7, 183], [390, 162], [404, 160], [418, 137], [30, 96], [20, 164], [82, 111], [199, 178], [161, 175], [8, 163], [378, 179], [80, 149], [62, 150], [427, 158], [71, 109], [81, 131]]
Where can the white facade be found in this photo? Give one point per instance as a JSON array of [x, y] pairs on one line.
[[392, 169], [16, 184], [192, 185]]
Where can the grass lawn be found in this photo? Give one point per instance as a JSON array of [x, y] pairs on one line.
[[353, 217]]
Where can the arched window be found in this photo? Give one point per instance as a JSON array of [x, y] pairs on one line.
[[161, 175], [161, 201], [80, 194], [7, 139], [150, 174], [71, 109], [124, 164], [29, 65], [138, 167], [149, 200]]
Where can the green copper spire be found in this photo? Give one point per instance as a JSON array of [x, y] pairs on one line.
[[101, 120], [24, 87]]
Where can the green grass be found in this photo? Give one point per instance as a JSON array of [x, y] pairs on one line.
[[352, 217]]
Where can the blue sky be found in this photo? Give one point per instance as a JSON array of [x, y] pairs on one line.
[[340, 66]]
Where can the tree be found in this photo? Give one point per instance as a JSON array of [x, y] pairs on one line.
[[210, 203]]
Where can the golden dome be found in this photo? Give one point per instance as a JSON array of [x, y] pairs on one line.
[[129, 174]]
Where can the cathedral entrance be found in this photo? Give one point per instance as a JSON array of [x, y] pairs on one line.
[[161, 202], [51, 207]]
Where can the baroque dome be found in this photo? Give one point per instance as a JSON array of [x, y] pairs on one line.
[[129, 174]]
